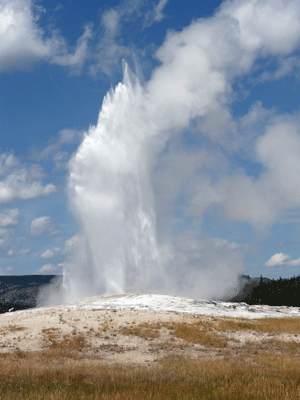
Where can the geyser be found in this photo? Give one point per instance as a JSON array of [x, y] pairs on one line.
[[132, 157], [110, 192]]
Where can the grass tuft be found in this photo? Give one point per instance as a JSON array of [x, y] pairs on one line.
[[191, 333]]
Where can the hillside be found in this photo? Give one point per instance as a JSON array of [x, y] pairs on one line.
[[21, 291]]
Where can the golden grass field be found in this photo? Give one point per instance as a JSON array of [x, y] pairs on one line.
[[101, 354]]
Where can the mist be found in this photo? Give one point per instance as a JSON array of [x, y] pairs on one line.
[[130, 187]]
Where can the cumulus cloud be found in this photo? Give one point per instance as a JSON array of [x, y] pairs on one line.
[[18, 252], [194, 81], [9, 218], [266, 26], [279, 151], [43, 227], [72, 243], [279, 259], [263, 199], [68, 249], [200, 63], [21, 181], [9, 246], [23, 41], [51, 253], [6, 238], [48, 269]]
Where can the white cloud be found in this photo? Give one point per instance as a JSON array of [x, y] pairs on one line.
[[194, 82], [268, 26], [69, 136], [48, 269], [116, 22], [158, 10], [109, 48], [6, 239], [279, 151], [20, 181], [294, 263], [24, 42], [262, 199], [51, 253], [110, 21], [199, 63], [155, 13], [43, 227], [18, 252], [9, 246], [61, 148], [9, 218], [72, 244], [277, 259], [282, 259], [77, 59], [284, 67]]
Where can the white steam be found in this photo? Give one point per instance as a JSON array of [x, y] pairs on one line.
[[111, 193], [114, 170]]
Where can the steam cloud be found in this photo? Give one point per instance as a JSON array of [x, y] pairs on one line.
[[125, 206]]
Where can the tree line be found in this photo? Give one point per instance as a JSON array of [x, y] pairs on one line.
[[272, 292]]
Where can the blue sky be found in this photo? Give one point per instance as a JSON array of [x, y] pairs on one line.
[[227, 178]]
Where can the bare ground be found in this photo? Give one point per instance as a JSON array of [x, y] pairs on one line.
[[137, 338]]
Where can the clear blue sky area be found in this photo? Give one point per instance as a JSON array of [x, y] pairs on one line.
[[228, 177]]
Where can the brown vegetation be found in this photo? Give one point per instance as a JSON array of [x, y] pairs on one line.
[[192, 358], [270, 325], [44, 376]]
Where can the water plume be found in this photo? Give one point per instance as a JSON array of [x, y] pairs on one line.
[[111, 175], [110, 192]]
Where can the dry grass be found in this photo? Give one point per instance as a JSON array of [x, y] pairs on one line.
[[10, 329], [64, 370], [196, 334], [36, 377], [193, 333], [62, 347], [50, 333], [269, 325], [143, 330]]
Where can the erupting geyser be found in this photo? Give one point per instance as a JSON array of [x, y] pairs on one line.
[[163, 155], [111, 195]]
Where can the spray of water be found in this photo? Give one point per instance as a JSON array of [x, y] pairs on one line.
[[110, 182], [110, 191]]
